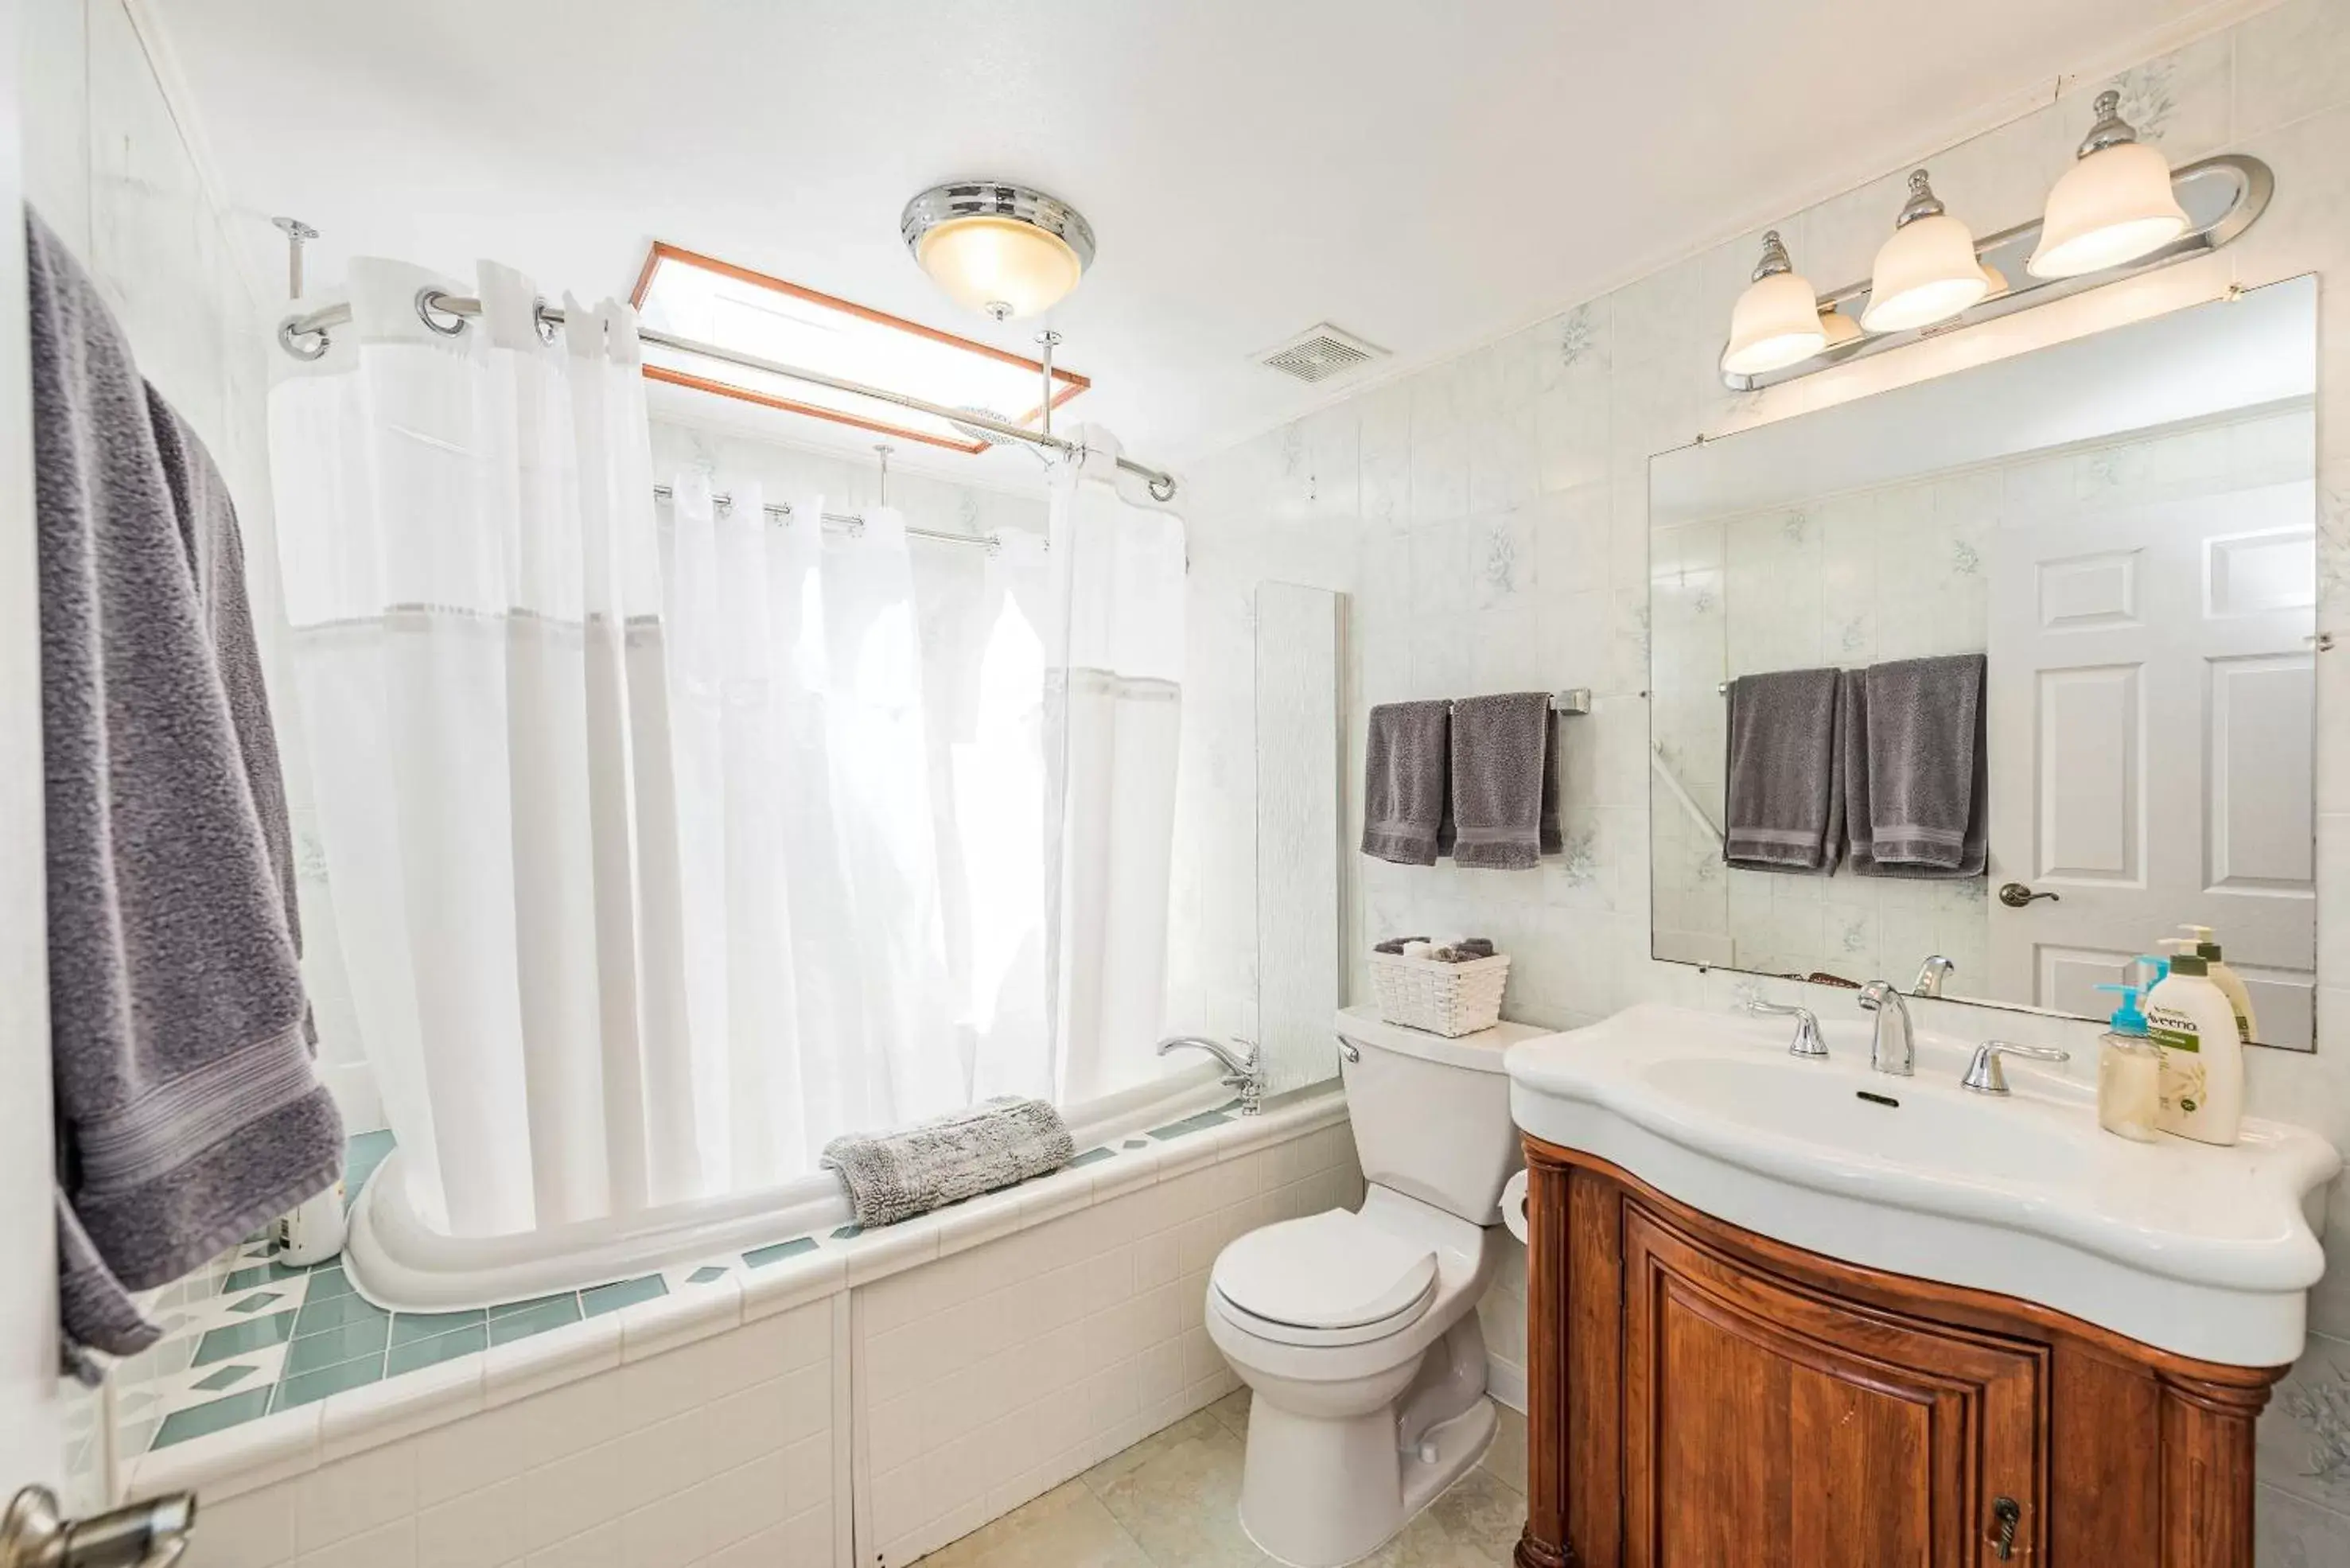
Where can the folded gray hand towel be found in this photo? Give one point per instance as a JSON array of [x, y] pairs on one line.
[[895, 1176], [1852, 746], [1925, 747], [1501, 746], [1405, 801], [187, 1111], [1785, 791]]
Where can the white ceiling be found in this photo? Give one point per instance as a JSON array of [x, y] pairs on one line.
[[1427, 175]]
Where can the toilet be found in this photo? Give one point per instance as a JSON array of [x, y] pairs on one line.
[[1357, 1330]]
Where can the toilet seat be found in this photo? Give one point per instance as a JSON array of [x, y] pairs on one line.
[[1333, 1278]]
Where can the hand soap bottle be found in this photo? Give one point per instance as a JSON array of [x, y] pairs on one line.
[[2189, 1019], [2129, 1072], [2230, 983]]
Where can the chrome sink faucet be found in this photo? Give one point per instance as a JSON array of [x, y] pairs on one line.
[[1807, 1041], [1890, 1047], [1243, 1069], [1931, 976]]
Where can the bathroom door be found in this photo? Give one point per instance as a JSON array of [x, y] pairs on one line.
[[28, 1287], [2150, 694]]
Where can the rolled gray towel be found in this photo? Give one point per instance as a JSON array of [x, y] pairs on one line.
[[895, 1176]]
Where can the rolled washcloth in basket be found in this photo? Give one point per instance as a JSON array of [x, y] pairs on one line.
[[897, 1175]]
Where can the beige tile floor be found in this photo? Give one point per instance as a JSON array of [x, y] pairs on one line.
[[1169, 1503]]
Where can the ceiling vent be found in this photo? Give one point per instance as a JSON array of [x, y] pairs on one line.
[[1319, 353]]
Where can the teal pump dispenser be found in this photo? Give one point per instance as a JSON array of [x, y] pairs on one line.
[[2129, 1064]]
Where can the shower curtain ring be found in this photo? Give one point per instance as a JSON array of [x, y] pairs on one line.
[[1163, 489], [309, 346], [427, 301]]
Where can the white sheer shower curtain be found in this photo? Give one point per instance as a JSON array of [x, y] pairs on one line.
[[667, 845]]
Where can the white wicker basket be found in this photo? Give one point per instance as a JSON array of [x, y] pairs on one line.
[[1448, 999]]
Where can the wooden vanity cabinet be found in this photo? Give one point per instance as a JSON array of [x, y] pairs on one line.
[[1701, 1397]]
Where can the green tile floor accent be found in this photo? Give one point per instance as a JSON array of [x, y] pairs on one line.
[[509, 1308], [624, 1292], [315, 1386], [317, 1316], [244, 1279], [408, 1327], [202, 1420], [531, 1317], [328, 1280], [256, 1302], [244, 1339], [432, 1351], [1090, 1156], [760, 1257], [310, 1352], [1199, 1123], [705, 1275], [225, 1378]]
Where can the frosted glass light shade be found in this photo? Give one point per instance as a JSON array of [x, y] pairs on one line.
[[1774, 324], [1926, 273], [2113, 206], [1001, 266]]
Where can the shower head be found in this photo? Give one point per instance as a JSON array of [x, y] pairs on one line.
[[986, 437]]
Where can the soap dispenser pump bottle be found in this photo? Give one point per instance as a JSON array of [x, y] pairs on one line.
[[2189, 1019], [2129, 1071], [2230, 985]]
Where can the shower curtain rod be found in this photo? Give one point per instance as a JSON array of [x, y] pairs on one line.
[[850, 521], [428, 301]]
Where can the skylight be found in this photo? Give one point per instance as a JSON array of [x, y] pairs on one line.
[[715, 302]]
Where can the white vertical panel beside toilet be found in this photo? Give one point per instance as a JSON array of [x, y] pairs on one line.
[[1300, 792]]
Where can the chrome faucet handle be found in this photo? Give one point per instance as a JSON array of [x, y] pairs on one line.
[[1931, 975], [1807, 1041], [1243, 1069], [1983, 1074], [1892, 1049]]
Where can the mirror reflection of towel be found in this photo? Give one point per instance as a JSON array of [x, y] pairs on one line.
[[1919, 753], [1785, 788]]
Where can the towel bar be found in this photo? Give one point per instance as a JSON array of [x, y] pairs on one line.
[[1574, 700]]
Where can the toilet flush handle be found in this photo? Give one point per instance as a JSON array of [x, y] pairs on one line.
[[1513, 1206]]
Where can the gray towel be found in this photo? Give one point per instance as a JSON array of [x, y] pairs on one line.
[[1852, 744], [896, 1175], [1785, 791], [1501, 759], [1405, 802], [188, 1112], [1925, 730]]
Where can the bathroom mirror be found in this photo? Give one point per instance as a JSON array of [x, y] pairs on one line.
[[1300, 804], [2108, 548]]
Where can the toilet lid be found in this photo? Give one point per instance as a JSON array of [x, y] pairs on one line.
[[1328, 1271]]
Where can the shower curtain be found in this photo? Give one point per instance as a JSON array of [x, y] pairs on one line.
[[668, 841]]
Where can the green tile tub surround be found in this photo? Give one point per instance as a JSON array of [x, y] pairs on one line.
[[202, 1420], [848, 1232], [709, 1274], [335, 1312], [418, 1354], [1091, 1156], [525, 1318], [227, 1376], [312, 1352], [408, 1327], [760, 1257], [311, 1386], [621, 1293], [244, 1339], [1199, 1123]]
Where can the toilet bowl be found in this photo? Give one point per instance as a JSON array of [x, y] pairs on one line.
[[1357, 1330]]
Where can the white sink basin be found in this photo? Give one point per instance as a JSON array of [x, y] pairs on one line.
[[2205, 1251]]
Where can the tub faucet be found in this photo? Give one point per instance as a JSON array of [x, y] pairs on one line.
[[1242, 1070], [1890, 1048]]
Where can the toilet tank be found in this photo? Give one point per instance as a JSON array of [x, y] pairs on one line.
[[1431, 1116]]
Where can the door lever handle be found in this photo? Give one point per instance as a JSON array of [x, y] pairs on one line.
[[2015, 895], [36, 1533]]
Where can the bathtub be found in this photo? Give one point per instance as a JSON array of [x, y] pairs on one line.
[[398, 1261]]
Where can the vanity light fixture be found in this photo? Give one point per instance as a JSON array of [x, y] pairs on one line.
[[2114, 206], [1778, 321], [1928, 272], [997, 246]]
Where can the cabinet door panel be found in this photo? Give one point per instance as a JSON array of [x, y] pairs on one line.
[[1766, 1425]]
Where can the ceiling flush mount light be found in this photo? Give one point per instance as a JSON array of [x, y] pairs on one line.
[[2114, 206], [1777, 322], [1003, 249], [1927, 271]]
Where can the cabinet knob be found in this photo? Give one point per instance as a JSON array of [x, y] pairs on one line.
[[2005, 1515]]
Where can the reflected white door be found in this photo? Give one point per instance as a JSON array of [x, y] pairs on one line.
[[29, 1283], [2151, 725]]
